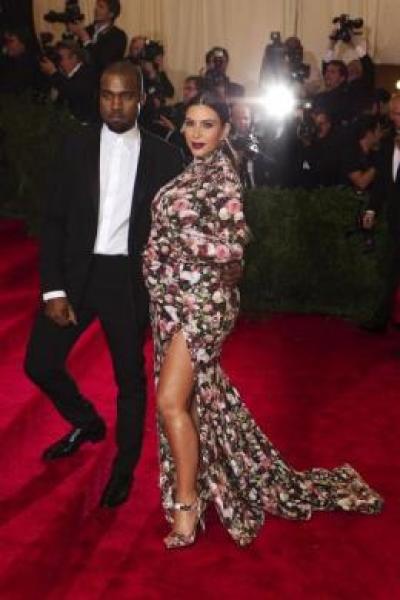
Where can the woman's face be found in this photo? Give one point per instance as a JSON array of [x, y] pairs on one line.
[[203, 130]]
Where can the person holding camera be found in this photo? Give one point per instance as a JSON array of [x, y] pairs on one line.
[[149, 55], [320, 144], [103, 41], [74, 81], [359, 157], [254, 166], [215, 77], [172, 117], [335, 100]]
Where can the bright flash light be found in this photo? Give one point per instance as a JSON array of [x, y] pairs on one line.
[[398, 84], [279, 101]]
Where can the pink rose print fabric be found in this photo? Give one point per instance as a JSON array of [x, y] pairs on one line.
[[197, 226]]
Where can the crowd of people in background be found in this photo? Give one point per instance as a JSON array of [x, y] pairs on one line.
[[331, 138]]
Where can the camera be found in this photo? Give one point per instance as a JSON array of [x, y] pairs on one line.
[[151, 50], [275, 52], [71, 14], [347, 28], [307, 130], [247, 144], [48, 49]]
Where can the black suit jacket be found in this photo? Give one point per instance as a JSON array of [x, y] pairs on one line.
[[78, 93], [109, 47], [385, 194], [71, 212]]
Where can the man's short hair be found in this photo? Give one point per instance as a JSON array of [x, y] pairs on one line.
[[114, 6], [322, 111], [215, 49], [197, 80], [22, 34], [125, 68], [343, 70], [73, 48]]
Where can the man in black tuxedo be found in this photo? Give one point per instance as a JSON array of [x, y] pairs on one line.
[[103, 41], [96, 222], [385, 197], [74, 81]]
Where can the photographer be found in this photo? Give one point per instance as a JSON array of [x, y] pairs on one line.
[[157, 86], [103, 41], [171, 118], [307, 73], [360, 71], [19, 70], [215, 77], [335, 100], [74, 81], [359, 158], [255, 167], [321, 143]]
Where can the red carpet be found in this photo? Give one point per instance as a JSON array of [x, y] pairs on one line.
[[325, 393]]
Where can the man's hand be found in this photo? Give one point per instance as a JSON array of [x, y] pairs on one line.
[[47, 66], [79, 31], [231, 273], [368, 220], [60, 311]]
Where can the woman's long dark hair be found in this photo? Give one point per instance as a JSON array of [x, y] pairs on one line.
[[222, 109]]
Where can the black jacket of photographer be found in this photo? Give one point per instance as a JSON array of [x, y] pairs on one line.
[[78, 93], [108, 47]]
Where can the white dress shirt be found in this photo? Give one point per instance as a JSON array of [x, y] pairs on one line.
[[396, 160], [119, 155]]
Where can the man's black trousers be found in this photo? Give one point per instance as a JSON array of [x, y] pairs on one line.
[[108, 296]]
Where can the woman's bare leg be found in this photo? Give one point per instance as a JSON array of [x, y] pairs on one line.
[[174, 396]]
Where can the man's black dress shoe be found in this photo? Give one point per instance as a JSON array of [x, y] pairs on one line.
[[71, 442], [117, 489]]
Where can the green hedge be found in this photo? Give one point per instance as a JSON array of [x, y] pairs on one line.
[[299, 259], [30, 134]]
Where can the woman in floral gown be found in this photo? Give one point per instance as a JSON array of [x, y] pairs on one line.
[[211, 449]]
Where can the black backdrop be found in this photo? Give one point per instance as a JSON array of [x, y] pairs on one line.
[[16, 13]]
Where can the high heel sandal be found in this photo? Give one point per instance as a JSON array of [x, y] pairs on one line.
[[181, 540]]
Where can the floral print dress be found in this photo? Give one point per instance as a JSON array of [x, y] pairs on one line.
[[198, 226]]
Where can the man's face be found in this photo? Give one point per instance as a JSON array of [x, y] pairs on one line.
[[355, 70], [394, 113], [67, 60], [14, 46], [323, 124], [137, 45], [119, 99], [219, 61], [189, 91], [102, 13], [333, 78], [241, 119]]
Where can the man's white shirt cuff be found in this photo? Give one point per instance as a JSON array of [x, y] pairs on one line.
[[52, 295]]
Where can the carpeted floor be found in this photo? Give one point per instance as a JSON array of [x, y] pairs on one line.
[[324, 392]]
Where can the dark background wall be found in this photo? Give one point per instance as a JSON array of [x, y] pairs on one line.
[[16, 13]]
